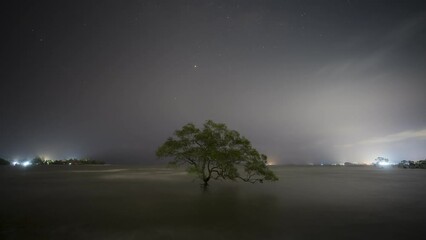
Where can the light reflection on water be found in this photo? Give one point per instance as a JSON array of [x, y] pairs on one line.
[[155, 174], [100, 171]]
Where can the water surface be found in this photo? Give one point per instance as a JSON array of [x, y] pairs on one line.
[[134, 202]]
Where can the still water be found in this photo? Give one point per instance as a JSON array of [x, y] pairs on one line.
[[134, 202]]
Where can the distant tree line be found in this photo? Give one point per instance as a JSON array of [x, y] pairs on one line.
[[72, 161], [381, 161], [42, 161], [412, 164]]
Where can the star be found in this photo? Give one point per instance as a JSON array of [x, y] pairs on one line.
[[195, 66]]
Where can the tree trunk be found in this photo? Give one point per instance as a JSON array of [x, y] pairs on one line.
[[206, 181], [205, 184]]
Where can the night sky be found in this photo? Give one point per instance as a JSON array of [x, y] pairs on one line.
[[305, 81]]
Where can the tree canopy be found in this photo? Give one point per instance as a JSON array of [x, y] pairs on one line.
[[38, 160], [215, 152], [4, 162]]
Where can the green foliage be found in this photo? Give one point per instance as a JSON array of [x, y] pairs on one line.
[[4, 162], [71, 161], [379, 160], [215, 152], [412, 164], [38, 161]]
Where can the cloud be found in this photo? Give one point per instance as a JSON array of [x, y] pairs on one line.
[[397, 137], [389, 42]]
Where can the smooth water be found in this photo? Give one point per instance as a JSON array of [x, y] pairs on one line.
[[133, 202]]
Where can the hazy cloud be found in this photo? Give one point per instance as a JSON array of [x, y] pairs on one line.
[[401, 136]]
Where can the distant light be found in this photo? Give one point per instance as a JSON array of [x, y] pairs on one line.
[[15, 163], [384, 163], [26, 163], [270, 163]]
